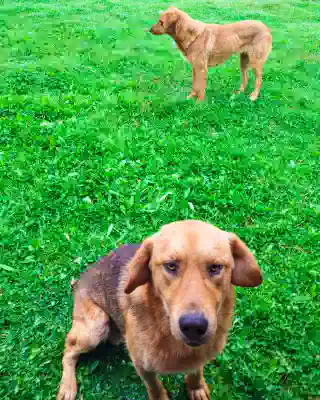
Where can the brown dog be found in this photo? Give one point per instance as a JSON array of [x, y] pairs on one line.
[[207, 45], [171, 299]]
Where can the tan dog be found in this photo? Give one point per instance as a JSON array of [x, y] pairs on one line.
[[171, 299], [207, 45]]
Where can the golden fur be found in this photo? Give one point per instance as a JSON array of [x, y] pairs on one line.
[[206, 45], [188, 267]]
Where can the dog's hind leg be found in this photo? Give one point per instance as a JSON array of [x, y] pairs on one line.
[[258, 57], [244, 66], [90, 326], [257, 70]]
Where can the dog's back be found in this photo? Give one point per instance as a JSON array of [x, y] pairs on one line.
[[100, 282], [240, 37]]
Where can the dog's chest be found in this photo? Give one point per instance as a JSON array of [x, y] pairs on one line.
[[181, 51], [170, 358]]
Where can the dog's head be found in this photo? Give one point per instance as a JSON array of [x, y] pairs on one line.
[[166, 22], [191, 265]]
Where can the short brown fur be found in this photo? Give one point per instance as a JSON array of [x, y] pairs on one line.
[[207, 45], [151, 301]]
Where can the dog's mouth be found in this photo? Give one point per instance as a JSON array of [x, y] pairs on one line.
[[193, 344], [154, 31]]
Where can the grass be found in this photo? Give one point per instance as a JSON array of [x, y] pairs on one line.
[[98, 146]]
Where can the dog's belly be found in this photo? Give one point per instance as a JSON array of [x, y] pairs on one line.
[[217, 59]]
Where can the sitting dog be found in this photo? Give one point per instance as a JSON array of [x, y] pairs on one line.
[[171, 299], [206, 45]]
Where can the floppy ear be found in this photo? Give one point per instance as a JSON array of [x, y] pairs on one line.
[[246, 271], [170, 17], [139, 272]]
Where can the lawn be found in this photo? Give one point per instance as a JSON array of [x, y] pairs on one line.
[[99, 146]]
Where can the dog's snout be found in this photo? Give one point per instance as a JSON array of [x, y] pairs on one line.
[[193, 326]]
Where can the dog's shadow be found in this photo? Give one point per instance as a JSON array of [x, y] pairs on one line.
[[106, 353], [109, 362], [106, 366]]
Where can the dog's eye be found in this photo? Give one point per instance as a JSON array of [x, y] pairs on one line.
[[171, 267], [214, 269], [160, 22]]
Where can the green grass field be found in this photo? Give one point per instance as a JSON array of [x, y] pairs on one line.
[[99, 146]]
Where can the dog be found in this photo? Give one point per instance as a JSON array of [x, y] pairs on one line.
[[170, 299], [207, 45]]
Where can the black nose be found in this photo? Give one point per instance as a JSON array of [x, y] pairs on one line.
[[193, 326]]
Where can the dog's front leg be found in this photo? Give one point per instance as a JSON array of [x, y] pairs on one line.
[[193, 92], [200, 80], [155, 389], [196, 386]]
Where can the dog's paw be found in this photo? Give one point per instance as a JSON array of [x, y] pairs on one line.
[[253, 96], [191, 94], [202, 393], [67, 391], [200, 98]]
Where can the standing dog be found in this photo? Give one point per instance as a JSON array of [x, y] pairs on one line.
[[206, 45], [171, 299]]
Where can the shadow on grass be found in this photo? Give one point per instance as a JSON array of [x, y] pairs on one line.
[[105, 353]]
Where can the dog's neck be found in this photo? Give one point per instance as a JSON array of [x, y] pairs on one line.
[[185, 31]]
